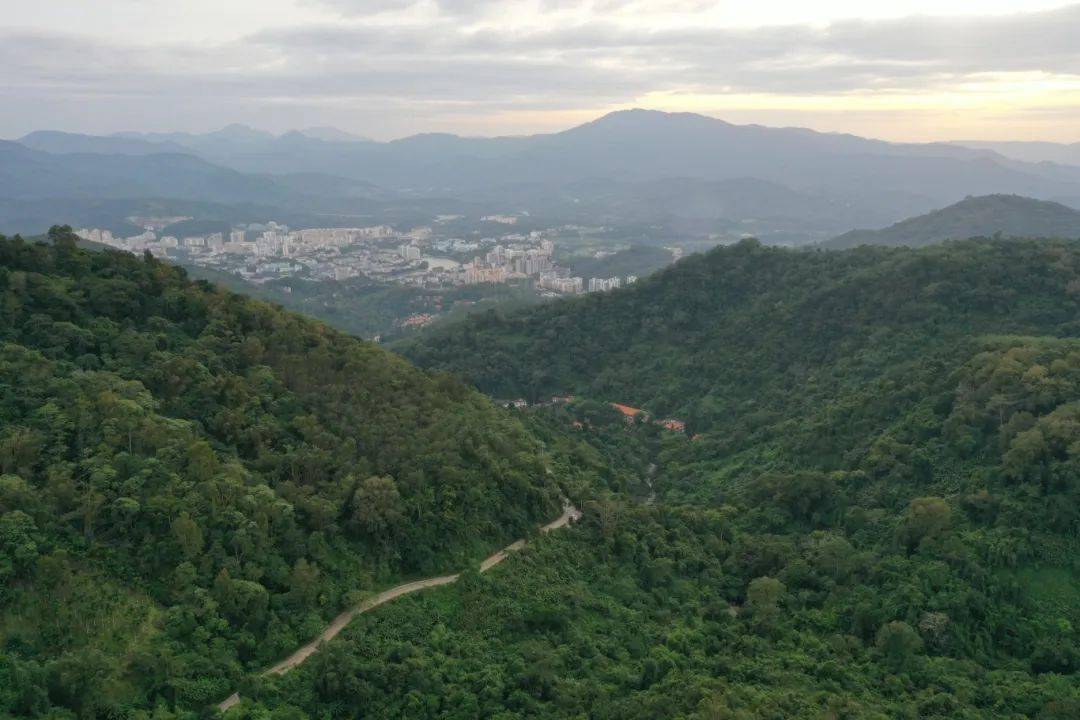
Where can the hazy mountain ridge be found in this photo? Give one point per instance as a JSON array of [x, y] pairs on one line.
[[626, 145], [28, 174], [690, 170], [62, 143], [1029, 151], [1008, 215]]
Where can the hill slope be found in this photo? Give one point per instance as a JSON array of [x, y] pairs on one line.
[[27, 174], [877, 514], [1008, 215], [1030, 151], [192, 482], [731, 334], [62, 143]]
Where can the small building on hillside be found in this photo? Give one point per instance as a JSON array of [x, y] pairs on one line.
[[630, 413], [673, 425]]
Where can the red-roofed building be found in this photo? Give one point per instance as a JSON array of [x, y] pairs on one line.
[[629, 413]]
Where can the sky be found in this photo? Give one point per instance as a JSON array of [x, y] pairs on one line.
[[911, 70]]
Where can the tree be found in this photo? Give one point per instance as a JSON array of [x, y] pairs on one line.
[[898, 643], [763, 596], [188, 536], [304, 582], [377, 507], [926, 517], [18, 548]]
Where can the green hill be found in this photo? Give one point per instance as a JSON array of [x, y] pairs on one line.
[[749, 333], [875, 513], [192, 482], [1006, 215], [637, 260]]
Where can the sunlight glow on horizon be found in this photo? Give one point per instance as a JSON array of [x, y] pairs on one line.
[[389, 68]]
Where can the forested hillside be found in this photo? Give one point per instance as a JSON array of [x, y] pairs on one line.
[[191, 482], [640, 260], [746, 336], [366, 308], [876, 514], [1005, 215]]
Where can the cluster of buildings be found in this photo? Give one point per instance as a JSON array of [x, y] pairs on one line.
[[420, 257], [522, 256], [612, 283], [265, 251]]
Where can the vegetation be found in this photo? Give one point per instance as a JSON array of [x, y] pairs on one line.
[[1007, 215], [192, 482], [874, 512], [750, 341], [656, 612], [640, 260], [370, 308]]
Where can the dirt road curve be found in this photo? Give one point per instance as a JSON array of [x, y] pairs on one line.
[[570, 513]]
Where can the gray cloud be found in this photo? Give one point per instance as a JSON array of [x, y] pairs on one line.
[[446, 66], [908, 54]]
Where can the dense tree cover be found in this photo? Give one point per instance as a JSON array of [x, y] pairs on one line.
[[746, 336], [886, 447], [1007, 215], [640, 260], [654, 612], [935, 575], [875, 514], [191, 482], [366, 307]]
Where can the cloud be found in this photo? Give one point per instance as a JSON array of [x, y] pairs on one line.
[[908, 54], [432, 57]]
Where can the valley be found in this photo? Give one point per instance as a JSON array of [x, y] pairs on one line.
[[803, 407]]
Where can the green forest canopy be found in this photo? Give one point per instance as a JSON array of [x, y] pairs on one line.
[[878, 514], [192, 482], [884, 522]]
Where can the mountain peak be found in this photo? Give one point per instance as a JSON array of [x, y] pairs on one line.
[[645, 119], [239, 132]]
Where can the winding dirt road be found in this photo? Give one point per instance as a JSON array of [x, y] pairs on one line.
[[569, 514]]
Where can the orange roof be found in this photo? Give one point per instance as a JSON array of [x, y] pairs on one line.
[[627, 410], [672, 424]]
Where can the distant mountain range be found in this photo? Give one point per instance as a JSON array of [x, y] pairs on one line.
[[1032, 152], [683, 171], [79, 186], [28, 173], [1007, 215]]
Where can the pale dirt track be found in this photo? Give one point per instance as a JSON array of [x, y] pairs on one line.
[[570, 513]]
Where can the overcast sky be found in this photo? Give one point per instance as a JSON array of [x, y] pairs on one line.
[[906, 70]]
